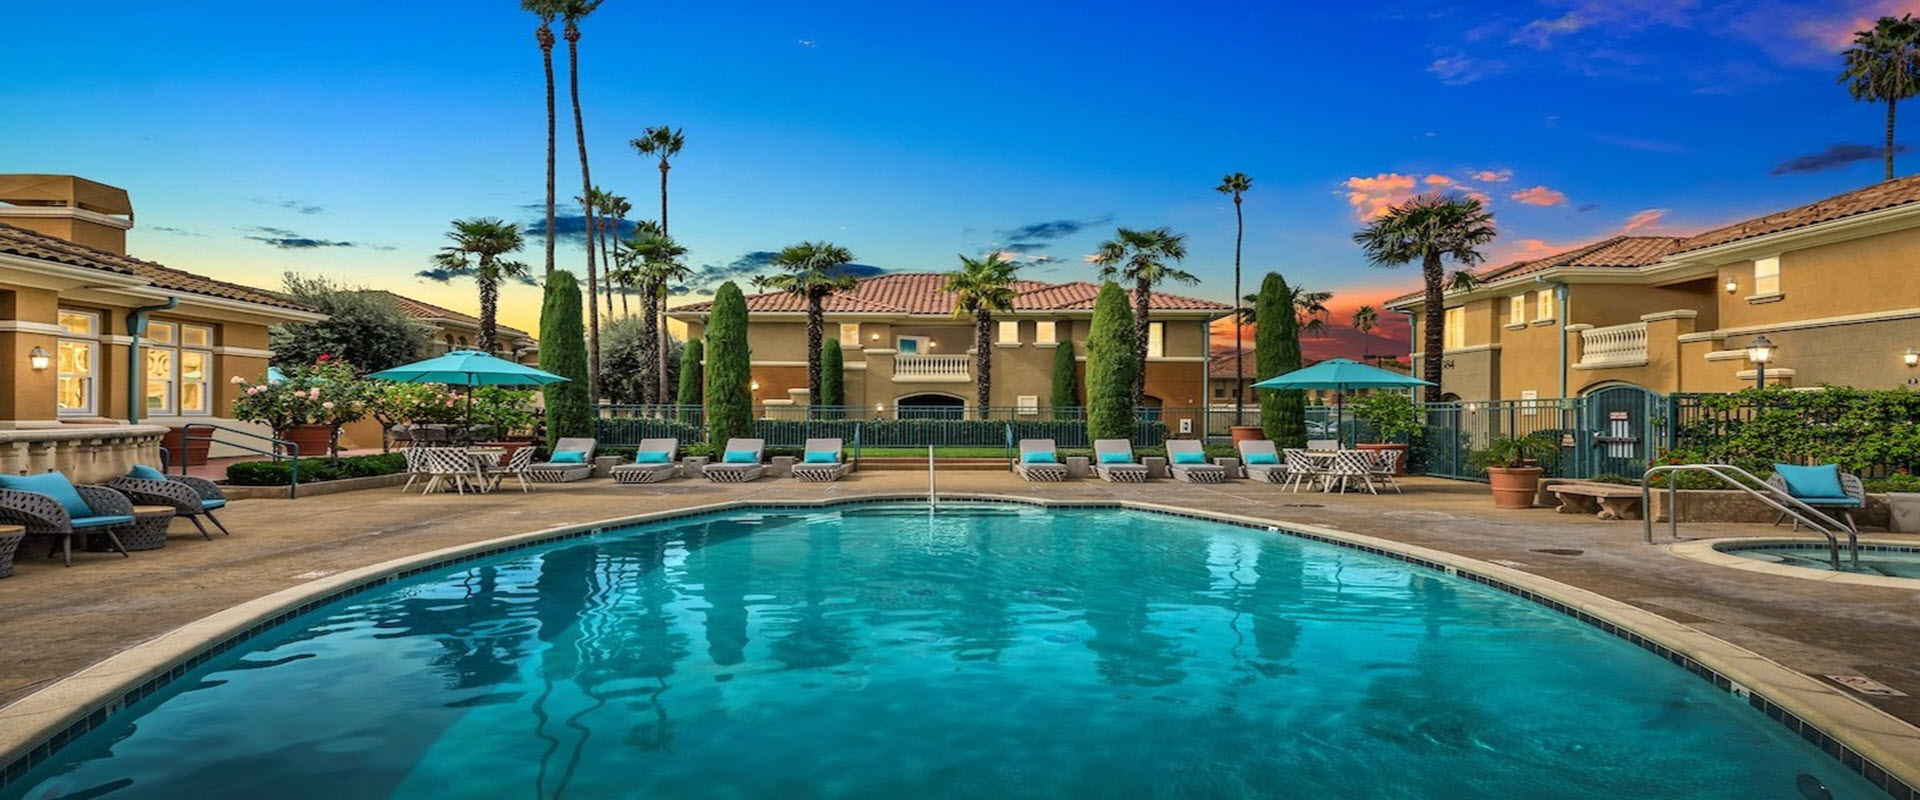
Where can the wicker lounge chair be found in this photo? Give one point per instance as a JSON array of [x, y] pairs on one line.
[[664, 451], [190, 497], [1039, 461], [723, 471], [1272, 472], [43, 515], [1853, 494], [1196, 469], [562, 472], [821, 471], [1105, 451], [518, 465]]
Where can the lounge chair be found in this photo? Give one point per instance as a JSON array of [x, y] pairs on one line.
[[1188, 461], [49, 505], [1039, 461], [1262, 461], [561, 466], [190, 497], [820, 461], [1302, 467], [1824, 487], [739, 462], [655, 460], [1385, 464], [1113, 461], [519, 465]]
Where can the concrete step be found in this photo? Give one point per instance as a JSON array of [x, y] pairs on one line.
[[939, 464]]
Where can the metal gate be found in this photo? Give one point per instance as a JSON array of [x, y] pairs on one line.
[[1622, 427]]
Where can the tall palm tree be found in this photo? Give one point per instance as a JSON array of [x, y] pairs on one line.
[[595, 202], [1429, 229], [980, 287], [613, 218], [660, 262], [1310, 309], [478, 245], [1366, 319], [814, 271], [546, 10], [1237, 184], [572, 11], [664, 142], [1144, 259], [1883, 66]]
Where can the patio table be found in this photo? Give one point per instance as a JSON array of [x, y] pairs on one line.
[[484, 457]]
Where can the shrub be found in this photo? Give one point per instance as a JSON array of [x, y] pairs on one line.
[[563, 352], [280, 473], [1393, 417], [691, 375], [833, 367], [624, 371], [1860, 429], [502, 411], [729, 367], [1276, 351], [1110, 366], [364, 327], [1066, 381]]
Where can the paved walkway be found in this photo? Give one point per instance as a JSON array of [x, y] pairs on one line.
[[59, 620]]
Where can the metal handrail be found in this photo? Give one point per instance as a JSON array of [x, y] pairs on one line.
[[293, 476], [933, 497], [1792, 507]]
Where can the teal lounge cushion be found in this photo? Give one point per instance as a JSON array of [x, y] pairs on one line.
[[146, 473], [569, 457], [823, 457], [1262, 458], [653, 457], [741, 457], [101, 521], [1038, 458], [1841, 500], [51, 484], [1821, 481], [214, 503], [1115, 458], [1189, 457]]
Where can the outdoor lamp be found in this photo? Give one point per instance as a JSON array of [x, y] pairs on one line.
[[39, 360], [1911, 357], [876, 337], [879, 406], [1760, 351], [1733, 285], [755, 385]]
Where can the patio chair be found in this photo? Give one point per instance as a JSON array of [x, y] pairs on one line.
[[1385, 464], [739, 462], [1323, 445], [654, 461], [1187, 459], [416, 456], [1262, 461], [1039, 462], [1301, 468], [517, 465], [820, 461], [1824, 487], [1350, 465], [563, 466], [1113, 461], [448, 465], [189, 496], [49, 505]]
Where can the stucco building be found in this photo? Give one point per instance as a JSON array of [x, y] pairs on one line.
[[449, 330]]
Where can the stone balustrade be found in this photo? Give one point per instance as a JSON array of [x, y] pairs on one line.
[[1614, 345], [87, 454]]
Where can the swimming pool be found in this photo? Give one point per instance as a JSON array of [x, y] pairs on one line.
[[985, 650], [1892, 561]]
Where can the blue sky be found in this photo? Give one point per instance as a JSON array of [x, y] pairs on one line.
[[259, 138]]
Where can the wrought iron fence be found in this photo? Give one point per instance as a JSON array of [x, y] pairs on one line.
[[790, 426]]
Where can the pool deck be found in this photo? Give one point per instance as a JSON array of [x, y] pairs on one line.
[[57, 620]]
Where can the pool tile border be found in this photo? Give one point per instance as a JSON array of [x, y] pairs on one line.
[[47, 730], [1719, 552]]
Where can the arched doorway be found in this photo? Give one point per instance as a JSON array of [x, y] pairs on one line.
[[929, 405], [1622, 422]]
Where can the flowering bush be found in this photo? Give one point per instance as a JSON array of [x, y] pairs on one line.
[[503, 411], [326, 392], [415, 404]]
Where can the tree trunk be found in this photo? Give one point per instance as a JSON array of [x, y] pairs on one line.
[[489, 310], [606, 263], [1142, 299], [663, 194], [649, 357], [816, 323], [625, 289], [1890, 139], [1239, 372], [658, 298], [544, 35], [586, 190], [1433, 336], [983, 360]]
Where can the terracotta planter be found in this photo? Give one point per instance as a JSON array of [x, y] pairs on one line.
[[177, 445], [1514, 487], [1399, 467], [1246, 433], [314, 440]]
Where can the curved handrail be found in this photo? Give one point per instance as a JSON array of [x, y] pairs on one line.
[[272, 451], [1720, 471]]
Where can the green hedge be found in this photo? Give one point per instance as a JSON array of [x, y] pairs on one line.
[[280, 473]]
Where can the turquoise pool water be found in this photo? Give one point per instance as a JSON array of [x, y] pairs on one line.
[[1892, 562], [981, 652]]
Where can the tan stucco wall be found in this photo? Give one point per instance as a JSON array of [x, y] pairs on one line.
[[1853, 277], [1603, 304]]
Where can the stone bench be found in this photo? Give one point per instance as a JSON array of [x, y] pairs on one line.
[[1606, 501]]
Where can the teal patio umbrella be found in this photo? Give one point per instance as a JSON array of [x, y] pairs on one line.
[[1341, 375], [469, 368]]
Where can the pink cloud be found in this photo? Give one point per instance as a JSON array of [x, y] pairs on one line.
[[1539, 196], [1492, 175], [1372, 197], [1437, 181], [1644, 219]]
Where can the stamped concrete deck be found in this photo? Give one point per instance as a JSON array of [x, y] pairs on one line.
[[54, 621]]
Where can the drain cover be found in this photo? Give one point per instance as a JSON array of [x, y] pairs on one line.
[[1557, 551], [1866, 685], [1812, 789]]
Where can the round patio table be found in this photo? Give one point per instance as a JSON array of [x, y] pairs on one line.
[[147, 532]]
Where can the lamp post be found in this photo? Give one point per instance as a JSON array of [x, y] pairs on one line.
[[1760, 351]]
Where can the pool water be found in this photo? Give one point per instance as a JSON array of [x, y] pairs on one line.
[[1892, 562], [982, 651]]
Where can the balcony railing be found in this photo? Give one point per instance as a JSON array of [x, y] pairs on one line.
[[933, 368], [1614, 346]]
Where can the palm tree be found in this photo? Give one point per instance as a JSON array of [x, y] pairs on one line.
[[1429, 228], [1236, 184], [814, 271], [595, 202], [664, 142], [1310, 309], [1883, 66], [980, 287], [660, 263], [1144, 259], [572, 11], [477, 247], [1365, 319], [1462, 280], [613, 217], [546, 10]]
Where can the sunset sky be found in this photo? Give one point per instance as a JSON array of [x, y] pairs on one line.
[[258, 138]]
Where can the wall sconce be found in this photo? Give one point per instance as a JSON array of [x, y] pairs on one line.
[[754, 385], [1912, 357], [875, 337], [1733, 285], [879, 407], [38, 359]]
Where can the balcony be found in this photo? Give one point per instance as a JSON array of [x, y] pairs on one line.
[[1613, 346], [932, 369]]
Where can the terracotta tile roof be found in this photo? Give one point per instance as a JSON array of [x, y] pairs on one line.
[[922, 293], [1619, 251], [29, 244], [1892, 193], [420, 309], [1221, 366]]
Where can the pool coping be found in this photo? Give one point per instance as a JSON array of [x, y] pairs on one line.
[[1707, 551], [1862, 738]]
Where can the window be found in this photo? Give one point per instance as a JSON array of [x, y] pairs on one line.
[[1219, 391], [1544, 306], [849, 334], [1043, 332], [1156, 339], [1009, 332], [913, 345], [1766, 276], [177, 368], [1517, 310], [78, 350], [1454, 327]]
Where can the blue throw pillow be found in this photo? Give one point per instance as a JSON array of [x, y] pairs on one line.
[[51, 484], [741, 457], [1189, 457], [146, 473], [1037, 458], [1115, 458], [569, 457], [653, 457], [823, 457], [1262, 458], [1821, 481]]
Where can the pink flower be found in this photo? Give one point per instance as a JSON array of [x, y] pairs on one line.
[[238, 381], [327, 405], [314, 393]]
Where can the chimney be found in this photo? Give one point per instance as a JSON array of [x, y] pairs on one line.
[[67, 207]]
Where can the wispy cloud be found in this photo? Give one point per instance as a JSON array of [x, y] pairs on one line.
[[1637, 143], [296, 206], [178, 231], [1539, 196], [1023, 244], [1610, 17], [1456, 68], [708, 277], [1491, 175], [1835, 157], [289, 240], [439, 274], [1644, 220]]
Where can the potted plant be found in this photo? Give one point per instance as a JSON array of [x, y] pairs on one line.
[[1513, 468], [1395, 420], [308, 406]]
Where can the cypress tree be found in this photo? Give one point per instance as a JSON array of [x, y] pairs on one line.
[[729, 368], [833, 390], [1276, 351], [1066, 384], [1111, 365], [563, 352], [690, 374]]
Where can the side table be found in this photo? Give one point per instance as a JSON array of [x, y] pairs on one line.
[[148, 531], [1903, 512], [694, 466], [781, 466], [1156, 466], [603, 465], [1078, 466], [1232, 466], [10, 536]]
